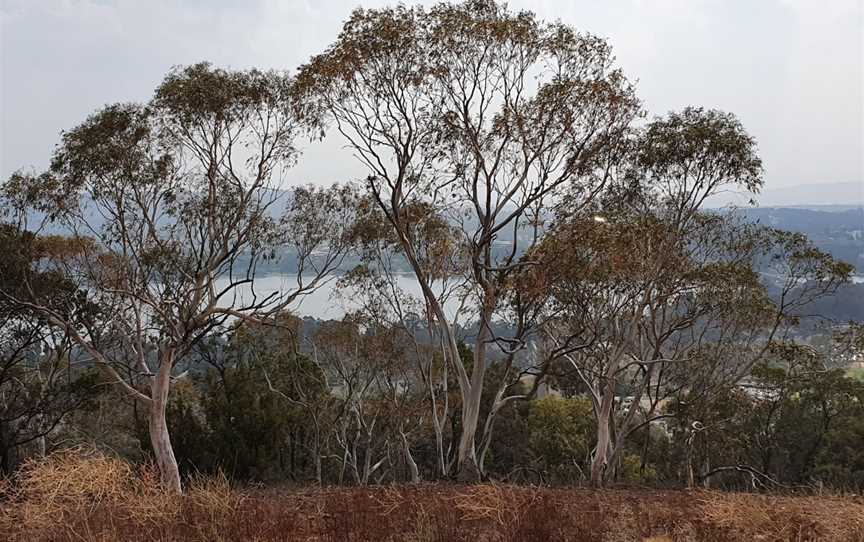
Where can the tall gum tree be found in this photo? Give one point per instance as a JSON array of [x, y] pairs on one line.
[[486, 116], [647, 293], [181, 199]]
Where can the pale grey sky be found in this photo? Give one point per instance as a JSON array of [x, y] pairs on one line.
[[790, 69]]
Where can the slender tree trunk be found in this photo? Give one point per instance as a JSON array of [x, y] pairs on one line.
[[367, 457], [707, 480], [604, 437], [436, 421], [158, 426], [317, 453], [620, 434], [691, 478], [409, 459], [472, 396], [604, 450], [41, 444], [439, 445], [471, 389], [486, 437], [469, 468], [471, 393], [6, 447]]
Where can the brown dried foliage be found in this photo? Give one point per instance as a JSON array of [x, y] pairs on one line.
[[85, 495]]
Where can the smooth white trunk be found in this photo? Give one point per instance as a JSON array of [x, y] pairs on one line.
[[160, 440], [469, 468], [409, 459], [604, 438]]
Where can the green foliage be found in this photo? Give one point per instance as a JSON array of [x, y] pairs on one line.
[[796, 423], [632, 471], [560, 432], [840, 461], [714, 139], [856, 374], [244, 416], [32, 269]]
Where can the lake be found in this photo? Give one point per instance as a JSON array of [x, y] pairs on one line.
[[321, 303], [324, 305]]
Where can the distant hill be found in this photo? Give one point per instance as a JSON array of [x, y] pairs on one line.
[[834, 229], [822, 221], [837, 229], [849, 194]]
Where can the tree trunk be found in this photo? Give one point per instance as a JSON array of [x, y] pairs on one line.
[[469, 467], [317, 452], [439, 446], [603, 450], [409, 459], [472, 396], [469, 470], [436, 421], [158, 426], [5, 451], [604, 438], [486, 437]]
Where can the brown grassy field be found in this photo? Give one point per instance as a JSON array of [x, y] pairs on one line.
[[102, 498]]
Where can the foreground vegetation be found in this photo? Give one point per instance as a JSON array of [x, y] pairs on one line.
[[75, 496]]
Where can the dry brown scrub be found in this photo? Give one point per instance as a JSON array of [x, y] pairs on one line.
[[90, 496]]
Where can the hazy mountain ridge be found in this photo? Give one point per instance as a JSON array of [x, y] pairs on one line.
[[842, 194], [840, 233]]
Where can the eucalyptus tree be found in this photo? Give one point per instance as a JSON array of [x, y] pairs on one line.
[[367, 367], [484, 115], [407, 369], [374, 287], [180, 199], [648, 295], [774, 429]]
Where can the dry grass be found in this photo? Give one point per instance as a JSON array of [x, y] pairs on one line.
[[77, 484], [80, 495], [766, 517]]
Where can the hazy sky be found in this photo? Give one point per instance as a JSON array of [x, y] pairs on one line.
[[790, 69]]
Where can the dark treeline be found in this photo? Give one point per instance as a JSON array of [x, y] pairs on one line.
[[582, 319]]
